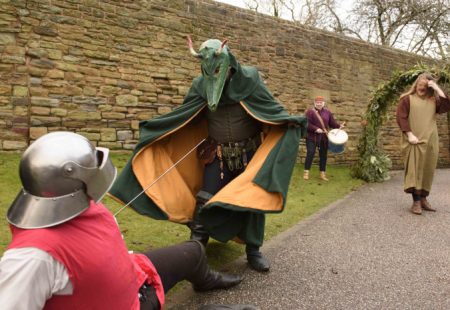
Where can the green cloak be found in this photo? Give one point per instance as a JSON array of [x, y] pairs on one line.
[[238, 209]]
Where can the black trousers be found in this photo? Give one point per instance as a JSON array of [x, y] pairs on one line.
[[311, 151], [173, 264]]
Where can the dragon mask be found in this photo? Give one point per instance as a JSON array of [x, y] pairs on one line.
[[215, 64]]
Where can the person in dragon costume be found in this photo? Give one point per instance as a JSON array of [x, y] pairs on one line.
[[240, 172]]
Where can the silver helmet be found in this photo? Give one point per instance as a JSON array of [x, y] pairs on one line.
[[60, 173]]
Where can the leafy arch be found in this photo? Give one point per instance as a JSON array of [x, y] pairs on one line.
[[373, 163]]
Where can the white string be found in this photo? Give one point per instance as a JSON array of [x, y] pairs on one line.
[[157, 179]]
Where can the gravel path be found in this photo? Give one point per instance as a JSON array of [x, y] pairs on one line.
[[365, 251]]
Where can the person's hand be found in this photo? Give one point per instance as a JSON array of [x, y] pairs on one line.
[[319, 130], [342, 125], [412, 138], [432, 84]]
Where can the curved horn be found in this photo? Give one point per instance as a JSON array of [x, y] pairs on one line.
[[191, 49], [219, 50]]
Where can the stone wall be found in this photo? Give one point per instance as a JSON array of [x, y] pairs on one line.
[[99, 67]]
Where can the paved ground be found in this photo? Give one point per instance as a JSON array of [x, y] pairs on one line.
[[366, 251]]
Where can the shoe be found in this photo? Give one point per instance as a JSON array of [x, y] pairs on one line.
[[416, 208], [306, 175], [323, 176], [426, 205], [258, 262], [217, 280]]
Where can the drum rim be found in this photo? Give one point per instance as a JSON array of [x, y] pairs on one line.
[[335, 130]]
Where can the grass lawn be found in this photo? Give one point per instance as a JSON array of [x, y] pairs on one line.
[[141, 233]]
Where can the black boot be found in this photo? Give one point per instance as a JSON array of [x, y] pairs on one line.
[[203, 278], [198, 231], [256, 260]]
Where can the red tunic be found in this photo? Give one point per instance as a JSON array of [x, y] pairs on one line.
[[102, 273]]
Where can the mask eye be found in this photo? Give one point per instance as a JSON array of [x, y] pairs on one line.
[[217, 71]]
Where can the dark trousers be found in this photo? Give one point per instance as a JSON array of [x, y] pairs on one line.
[[253, 233], [173, 264], [311, 150]]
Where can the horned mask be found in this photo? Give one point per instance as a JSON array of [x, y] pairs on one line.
[[215, 64]]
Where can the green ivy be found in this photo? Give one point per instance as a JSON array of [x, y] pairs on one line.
[[373, 163]]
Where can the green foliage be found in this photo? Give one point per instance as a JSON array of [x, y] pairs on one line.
[[373, 164]]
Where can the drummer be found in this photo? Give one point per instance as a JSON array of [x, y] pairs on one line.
[[320, 120]]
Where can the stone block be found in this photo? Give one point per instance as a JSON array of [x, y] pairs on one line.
[[39, 91], [55, 54], [14, 50], [164, 110], [108, 134], [40, 110], [64, 66], [14, 145], [135, 124], [89, 100], [108, 90], [44, 102], [129, 146], [110, 74], [7, 38], [55, 74], [5, 90], [121, 109], [147, 87], [58, 112], [34, 81], [42, 63], [20, 91], [124, 135], [113, 115], [45, 121], [46, 31], [127, 100], [91, 136], [136, 92], [73, 90], [20, 101], [37, 71], [37, 132], [143, 116], [105, 107], [164, 99], [89, 91], [12, 59], [82, 115], [110, 145], [73, 76]]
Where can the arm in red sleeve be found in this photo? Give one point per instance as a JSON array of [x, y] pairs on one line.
[[403, 114], [442, 104]]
